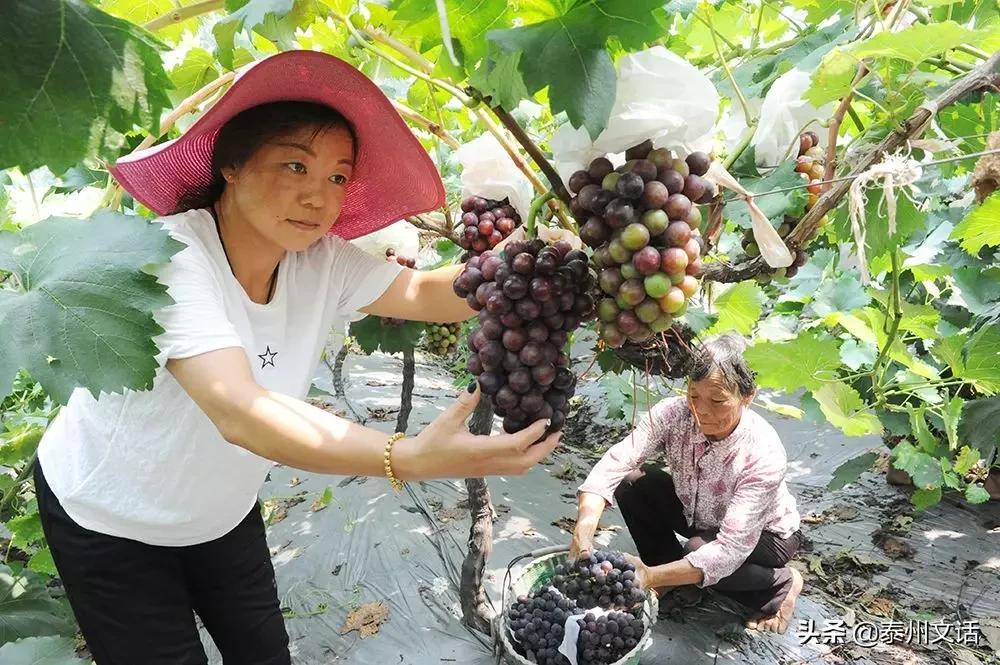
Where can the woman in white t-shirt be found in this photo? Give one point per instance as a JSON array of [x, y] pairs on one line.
[[148, 499]]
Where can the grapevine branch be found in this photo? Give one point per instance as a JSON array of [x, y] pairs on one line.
[[432, 127], [442, 229], [183, 13], [982, 77], [406, 399], [476, 610]]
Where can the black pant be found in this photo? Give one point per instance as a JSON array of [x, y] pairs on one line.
[[135, 603], [655, 515]]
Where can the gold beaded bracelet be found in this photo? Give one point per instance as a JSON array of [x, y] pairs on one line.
[[396, 483]]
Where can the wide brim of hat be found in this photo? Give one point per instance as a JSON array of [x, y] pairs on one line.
[[393, 178]]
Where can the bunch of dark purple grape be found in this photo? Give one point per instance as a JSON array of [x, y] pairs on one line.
[[406, 262], [537, 622], [604, 579], [485, 223], [642, 221], [529, 297], [606, 639]]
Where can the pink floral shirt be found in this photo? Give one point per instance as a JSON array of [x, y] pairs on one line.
[[735, 485]]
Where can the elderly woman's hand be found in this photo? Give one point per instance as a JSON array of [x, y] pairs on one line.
[[641, 570], [580, 548]]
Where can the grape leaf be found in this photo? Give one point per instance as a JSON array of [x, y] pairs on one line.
[[850, 471], [568, 55], [976, 289], [26, 530], [756, 75], [899, 352], [917, 42], [42, 562], [976, 493], [373, 334], [194, 72], [775, 206], [501, 80], [982, 360], [82, 80], [81, 282], [980, 425], [20, 443], [832, 78], [843, 293], [41, 651], [923, 499], [924, 468], [918, 425], [739, 308], [468, 22], [967, 458], [878, 241], [921, 320], [77, 178], [844, 408], [948, 350], [980, 228], [800, 363], [952, 415], [855, 354], [778, 328], [27, 610], [699, 320], [247, 17]]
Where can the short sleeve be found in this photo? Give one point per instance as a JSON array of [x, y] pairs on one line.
[[196, 322], [362, 278]]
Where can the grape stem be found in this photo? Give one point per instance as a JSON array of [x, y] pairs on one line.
[[529, 227], [895, 312], [729, 72], [837, 120], [741, 148]]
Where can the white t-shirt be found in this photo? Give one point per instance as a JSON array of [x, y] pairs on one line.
[[150, 465]]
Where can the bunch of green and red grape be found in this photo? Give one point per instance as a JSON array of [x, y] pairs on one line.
[[643, 223]]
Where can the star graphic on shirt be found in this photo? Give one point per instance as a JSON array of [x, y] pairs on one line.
[[267, 358]]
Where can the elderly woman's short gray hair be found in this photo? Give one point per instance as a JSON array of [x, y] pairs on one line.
[[723, 354]]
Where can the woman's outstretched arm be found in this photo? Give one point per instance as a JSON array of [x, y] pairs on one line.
[[292, 432]]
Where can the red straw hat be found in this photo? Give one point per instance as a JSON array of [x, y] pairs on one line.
[[393, 178]]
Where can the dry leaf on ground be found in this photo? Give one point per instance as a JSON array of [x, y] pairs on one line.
[[366, 619]]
